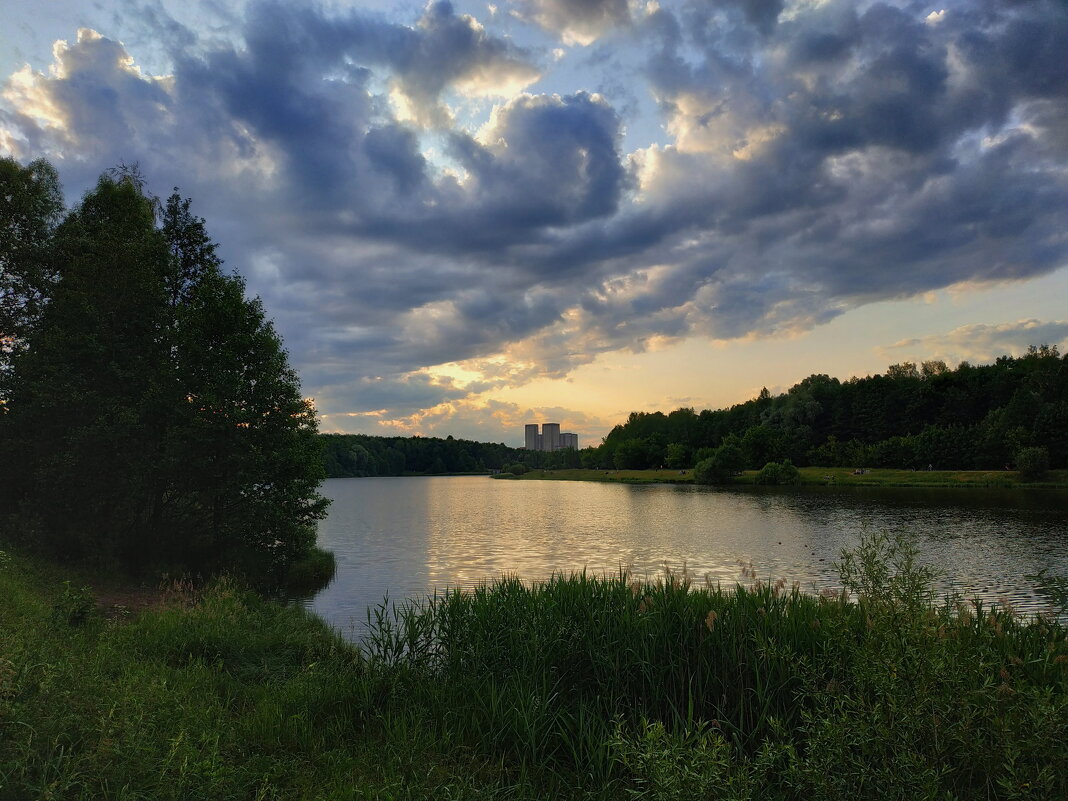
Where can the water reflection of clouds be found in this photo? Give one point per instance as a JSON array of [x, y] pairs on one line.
[[408, 537]]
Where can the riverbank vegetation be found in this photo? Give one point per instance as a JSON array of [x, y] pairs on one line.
[[581, 687], [149, 419], [818, 476]]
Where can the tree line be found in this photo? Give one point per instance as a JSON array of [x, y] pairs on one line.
[[362, 455], [910, 417], [148, 413]]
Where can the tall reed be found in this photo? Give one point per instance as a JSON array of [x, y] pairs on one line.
[[579, 687]]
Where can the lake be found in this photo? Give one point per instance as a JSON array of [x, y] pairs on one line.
[[405, 537]]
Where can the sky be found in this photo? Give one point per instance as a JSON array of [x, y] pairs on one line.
[[463, 217]]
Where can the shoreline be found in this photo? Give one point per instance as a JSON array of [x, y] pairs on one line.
[[821, 476]]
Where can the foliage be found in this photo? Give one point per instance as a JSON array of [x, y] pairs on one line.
[[778, 473], [153, 418], [74, 606], [581, 687], [361, 455], [30, 207], [677, 456], [1033, 463], [309, 573], [911, 417], [719, 468]]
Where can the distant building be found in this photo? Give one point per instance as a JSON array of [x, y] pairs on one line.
[[550, 438]]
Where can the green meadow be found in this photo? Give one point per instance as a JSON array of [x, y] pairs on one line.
[[580, 687]]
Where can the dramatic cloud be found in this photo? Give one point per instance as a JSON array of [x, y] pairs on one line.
[[442, 190]]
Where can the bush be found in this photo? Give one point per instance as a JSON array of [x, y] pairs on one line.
[[1032, 463], [778, 473], [724, 462], [310, 573], [703, 453], [516, 469]]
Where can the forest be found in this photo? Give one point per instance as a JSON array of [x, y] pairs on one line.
[[910, 417], [362, 455]]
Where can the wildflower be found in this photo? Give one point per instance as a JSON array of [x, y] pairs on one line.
[[710, 619]]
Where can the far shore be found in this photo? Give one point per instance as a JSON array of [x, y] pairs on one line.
[[825, 476]]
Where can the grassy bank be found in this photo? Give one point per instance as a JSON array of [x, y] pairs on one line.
[[578, 688], [837, 476]]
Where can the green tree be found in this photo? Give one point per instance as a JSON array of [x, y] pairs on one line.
[[86, 394], [760, 445], [633, 454], [155, 417], [244, 457], [1033, 463], [677, 456], [30, 207]]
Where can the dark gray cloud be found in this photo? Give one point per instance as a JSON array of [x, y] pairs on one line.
[[400, 394], [549, 161], [813, 160]]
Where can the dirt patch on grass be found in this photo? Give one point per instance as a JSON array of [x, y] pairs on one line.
[[122, 602]]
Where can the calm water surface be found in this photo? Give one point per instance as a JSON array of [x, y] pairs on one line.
[[405, 537]]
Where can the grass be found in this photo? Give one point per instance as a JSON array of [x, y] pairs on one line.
[[579, 687], [838, 476]]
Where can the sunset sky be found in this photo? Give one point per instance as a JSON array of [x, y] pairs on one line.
[[465, 217]]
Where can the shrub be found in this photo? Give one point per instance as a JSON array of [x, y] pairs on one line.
[[310, 573], [1032, 463], [778, 473], [516, 469], [75, 605], [724, 462]]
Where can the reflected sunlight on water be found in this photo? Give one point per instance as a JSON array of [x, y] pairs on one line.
[[404, 537]]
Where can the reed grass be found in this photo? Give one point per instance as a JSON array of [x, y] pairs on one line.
[[578, 687]]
